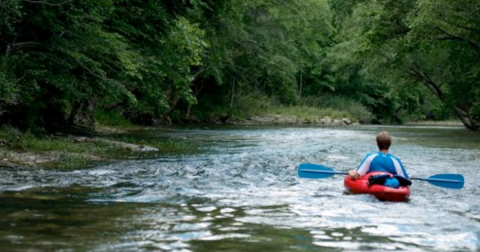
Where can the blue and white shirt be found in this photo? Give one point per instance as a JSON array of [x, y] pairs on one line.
[[383, 162]]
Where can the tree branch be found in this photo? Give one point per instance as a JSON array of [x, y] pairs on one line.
[[454, 37], [94, 74], [461, 113], [21, 78], [47, 3], [426, 81], [478, 9], [460, 26]]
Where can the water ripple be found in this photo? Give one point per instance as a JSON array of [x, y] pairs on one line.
[[244, 189]]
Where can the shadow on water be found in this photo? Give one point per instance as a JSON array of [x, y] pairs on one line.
[[243, 194], [58, 219]]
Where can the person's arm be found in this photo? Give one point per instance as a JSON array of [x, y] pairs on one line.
[[399, 167], [363, 168], [353, 174]]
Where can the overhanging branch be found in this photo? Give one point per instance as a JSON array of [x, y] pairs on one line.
[[47, 3], [449, 36]]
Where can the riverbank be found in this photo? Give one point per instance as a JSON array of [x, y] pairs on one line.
[[435, 123], [275, 119], [74, 152], [78, 152]]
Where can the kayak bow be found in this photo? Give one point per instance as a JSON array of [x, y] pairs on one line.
[[381, 192]]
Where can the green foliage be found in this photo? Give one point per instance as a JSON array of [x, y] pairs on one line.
[[14, 139], [446, 33], [354, 109], [184, 45], [10, 13], [111, 118], [255, 103], [166, 61], [260, 46], [311, 108], [8, 89], [404, 44]]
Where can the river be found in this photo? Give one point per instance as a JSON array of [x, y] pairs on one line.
[[242, 193]]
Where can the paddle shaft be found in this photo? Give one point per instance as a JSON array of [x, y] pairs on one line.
[[315, 171], [438, 180], [325, 172], [422, 179]]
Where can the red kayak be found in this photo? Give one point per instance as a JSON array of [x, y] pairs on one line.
[[381, 192]]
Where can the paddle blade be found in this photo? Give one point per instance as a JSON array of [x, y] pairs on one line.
[[315, 171], [454, 181]]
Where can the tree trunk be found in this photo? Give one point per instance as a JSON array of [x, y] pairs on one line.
[[233, 92], [166, 115], [71, 118], [466, 119], [462, 113], [90, 114], [301, 84]]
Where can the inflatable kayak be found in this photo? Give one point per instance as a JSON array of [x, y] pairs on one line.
[[381, 192]]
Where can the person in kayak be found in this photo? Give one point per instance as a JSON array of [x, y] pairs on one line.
[[381, 161]]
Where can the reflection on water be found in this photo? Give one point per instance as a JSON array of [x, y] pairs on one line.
[[243, 194]]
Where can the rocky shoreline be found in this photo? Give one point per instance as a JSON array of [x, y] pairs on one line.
[[27, 159], [17, 159], [273, 119]]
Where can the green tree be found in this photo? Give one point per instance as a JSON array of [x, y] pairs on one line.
[[408, 43], [10, 12], [445, 45], [59, 57], [167, 45], [263, 46], [64, 59]]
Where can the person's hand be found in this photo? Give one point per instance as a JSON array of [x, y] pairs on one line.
[[353, 174]]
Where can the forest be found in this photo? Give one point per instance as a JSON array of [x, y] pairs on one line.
[[66, 64]]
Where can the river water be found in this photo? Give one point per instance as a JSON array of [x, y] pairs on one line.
[[242, 193]]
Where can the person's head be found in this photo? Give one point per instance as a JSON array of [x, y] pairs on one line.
[[384, 140]]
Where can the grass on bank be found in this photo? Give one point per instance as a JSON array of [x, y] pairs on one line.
[[308, 109], [64, 152]]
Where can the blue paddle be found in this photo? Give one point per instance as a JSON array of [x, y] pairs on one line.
[[315, 171]]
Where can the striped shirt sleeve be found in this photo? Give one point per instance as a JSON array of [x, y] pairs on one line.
[[399, 167], [364, 166]]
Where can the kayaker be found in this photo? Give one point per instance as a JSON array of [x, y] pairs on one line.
[[381, 161]]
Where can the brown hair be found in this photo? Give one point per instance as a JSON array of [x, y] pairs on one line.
[[384, 140]]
